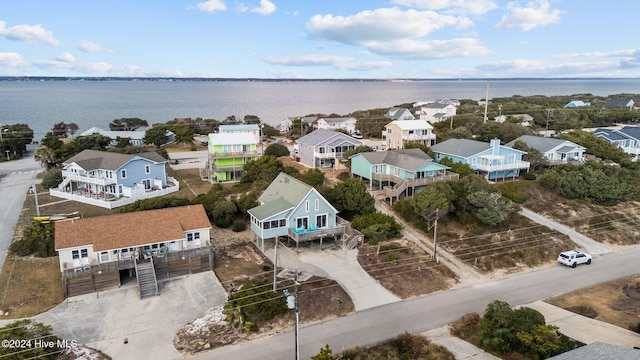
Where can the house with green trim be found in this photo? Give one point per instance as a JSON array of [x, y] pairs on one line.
[[399, 173], [294, 210], [228, 153]]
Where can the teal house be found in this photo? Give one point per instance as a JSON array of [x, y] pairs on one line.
[[294, 210], [399, 173]]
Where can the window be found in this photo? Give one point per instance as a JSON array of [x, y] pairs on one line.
[[321, 150], [84, 253], [317, 204], [196, 236], [75, 254], [266, 225], [306, 205], [321, 220], [274, 224], [123, 174], [189, 237], [388, 130], [104, 256], [283, 223], [147, 169], [302, 222]]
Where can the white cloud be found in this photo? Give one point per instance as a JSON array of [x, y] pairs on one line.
[[308, 60], [429, 49], [470, 7], [28, 34], [11, 60], [90, 47], [378, 25], [66, 57], [266, 7], [211, 6], [598, 54], [540, 68], [534, 14]]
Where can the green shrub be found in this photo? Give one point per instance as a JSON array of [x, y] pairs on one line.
[[37, 239], [343, 176], [239, 225], [250, 327], [276, 150], [392, 257], [529, 176], [52, 178]]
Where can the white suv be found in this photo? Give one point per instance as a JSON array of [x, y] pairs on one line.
[[574, 258]]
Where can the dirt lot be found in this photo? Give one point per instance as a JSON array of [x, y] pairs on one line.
[[616, 302]]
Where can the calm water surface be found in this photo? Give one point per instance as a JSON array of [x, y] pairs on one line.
[[96, 103]]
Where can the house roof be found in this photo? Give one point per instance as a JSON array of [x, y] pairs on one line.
[[618, 102], [319, 136], [284, 192], [543, 144], [93, 159], [130, 229], [599, 351], [240, 138], [408, 159], [336, 120], [114, 134], [461, 147], [632, 131], [416, 124], [435, 105], [611, 135], [241, 127], [397, 112]]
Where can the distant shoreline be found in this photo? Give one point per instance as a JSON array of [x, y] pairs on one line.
[[205, 79]]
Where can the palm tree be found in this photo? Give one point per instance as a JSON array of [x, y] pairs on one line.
[[46, 157]]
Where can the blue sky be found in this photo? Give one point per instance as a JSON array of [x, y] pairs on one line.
[[310, 39]]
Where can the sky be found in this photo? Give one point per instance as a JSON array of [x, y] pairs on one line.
[[320, 39]]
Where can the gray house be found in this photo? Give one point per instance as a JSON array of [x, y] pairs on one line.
[[295, 210], [323, 148], [556, 151]]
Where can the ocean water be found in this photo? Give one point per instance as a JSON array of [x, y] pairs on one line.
[[40, 104]]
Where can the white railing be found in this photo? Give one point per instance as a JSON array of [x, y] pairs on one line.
[[87, 178], [114, 203], [503, 167], [413, 137]]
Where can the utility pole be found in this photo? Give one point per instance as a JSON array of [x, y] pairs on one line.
[[435, 237], [35, 194], [292, 304], [275, 265], [549, 112], [486, 103]]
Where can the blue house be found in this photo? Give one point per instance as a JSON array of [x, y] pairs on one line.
[[323, 148], [110, 180], [492, 160], [295, 210], [399, 172]]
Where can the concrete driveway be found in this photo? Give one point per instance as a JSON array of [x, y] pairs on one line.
[[104, 320], [341, 266]]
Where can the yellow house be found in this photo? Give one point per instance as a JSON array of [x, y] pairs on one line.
[[397, 132]]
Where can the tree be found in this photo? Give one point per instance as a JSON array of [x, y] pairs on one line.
[[324, 354], [262, 171], [377, 226], [313, 177], [29, 330], [433, 202], [37, 239], [269, 131], [183, 133], [246, 201], [222, 214], [60, 129], [52, 178], [156, 135], [46, 157], [251, 119], [127, 124], [276, 150], [351, 198], [492, 208], [533, 156], [73, 128], [14, 139]]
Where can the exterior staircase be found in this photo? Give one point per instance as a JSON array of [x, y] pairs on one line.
[[147, 282]]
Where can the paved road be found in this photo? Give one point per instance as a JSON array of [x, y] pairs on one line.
[[432, 311], [590, 245], [18, 176]]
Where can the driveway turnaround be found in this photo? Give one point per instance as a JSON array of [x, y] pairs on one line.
[[123, 326], [343, 267], [585, 329]]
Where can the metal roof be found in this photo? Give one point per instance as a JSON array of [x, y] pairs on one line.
[[461, 147]]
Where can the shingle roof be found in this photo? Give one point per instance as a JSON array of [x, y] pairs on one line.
[[130, 229], [93, 159], [617, 102], [542, 144], [599, 351], [319, 136], [409, 159], [283, 193], [612, 135], [240, 127], [416, 124], [460, 147], [632, 131], [136, 134]]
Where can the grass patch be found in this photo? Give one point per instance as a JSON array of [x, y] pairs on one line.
[[405, 346], [30, 286]]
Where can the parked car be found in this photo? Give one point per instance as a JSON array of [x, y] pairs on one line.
[[574, 258]]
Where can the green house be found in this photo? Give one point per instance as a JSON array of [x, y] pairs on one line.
[[228, 153]]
